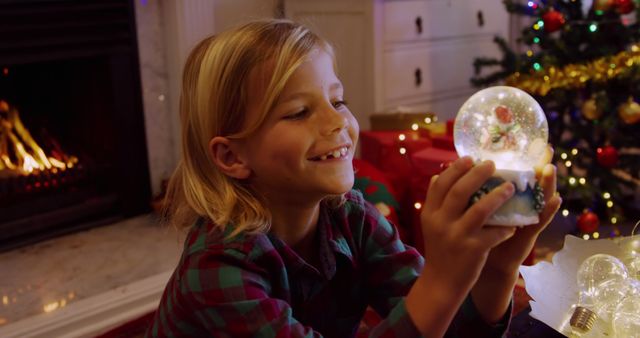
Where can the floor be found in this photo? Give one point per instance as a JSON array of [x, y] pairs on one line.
[[53, 274]]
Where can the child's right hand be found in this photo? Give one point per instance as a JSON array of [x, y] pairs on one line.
[[456, 242]]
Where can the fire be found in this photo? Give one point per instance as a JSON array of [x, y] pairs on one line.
[[20, 154]]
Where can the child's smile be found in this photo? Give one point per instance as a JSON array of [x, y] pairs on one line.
[[302, 152]]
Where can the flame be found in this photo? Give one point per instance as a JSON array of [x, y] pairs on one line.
[[28, 156]]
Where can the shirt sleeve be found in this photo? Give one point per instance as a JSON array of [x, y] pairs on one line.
[[231, 299], [392, 267]]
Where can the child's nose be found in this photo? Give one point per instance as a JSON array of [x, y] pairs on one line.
[[334, 121]]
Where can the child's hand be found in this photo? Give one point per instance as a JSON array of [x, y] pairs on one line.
[[456, 242], [508, 256]]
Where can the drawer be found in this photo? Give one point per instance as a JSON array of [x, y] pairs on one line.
[[436, 19], [435, 68]]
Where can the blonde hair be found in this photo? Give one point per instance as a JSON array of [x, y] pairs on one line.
[[213, 102]]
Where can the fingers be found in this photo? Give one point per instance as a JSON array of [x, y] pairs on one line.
[[480, 211], [492, 236], [458, 195], [439, 187], [548, 181], [550, 209], [544, 160]]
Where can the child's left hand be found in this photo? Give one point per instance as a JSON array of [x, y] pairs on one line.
[[509, 255]]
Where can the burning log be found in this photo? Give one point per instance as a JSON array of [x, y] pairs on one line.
[[20, 154]]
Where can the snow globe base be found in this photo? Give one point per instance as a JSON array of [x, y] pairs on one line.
[[525, 204]]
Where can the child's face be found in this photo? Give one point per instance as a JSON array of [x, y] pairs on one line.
[[288, 153]]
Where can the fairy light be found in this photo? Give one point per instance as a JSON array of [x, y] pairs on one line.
[[614, 220], [537, 66], [585, 237], [427, 120], [609, 204], [567, 164], [596, 235], [564, 156], [574, 151], [536, 40], [529, 53], [606, 195], [402, 137], [572, 180], [536, 26], [414, 127], [403, 150], [593, 27], [565, 212], [540, 23], [582, 180], [417, 205]]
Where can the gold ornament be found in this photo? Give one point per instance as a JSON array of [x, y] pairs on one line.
[[574, 76], [629, 111], [602, 5], [590, 109]]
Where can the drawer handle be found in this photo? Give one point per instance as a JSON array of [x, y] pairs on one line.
[[480, 19], [419, 25], [418, 77]]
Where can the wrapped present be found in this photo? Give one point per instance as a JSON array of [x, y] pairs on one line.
[[389, 151], [428, 162], [402, 121]]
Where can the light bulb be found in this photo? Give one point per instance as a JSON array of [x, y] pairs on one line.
[[593, 272], [626, 318], [609, 294]]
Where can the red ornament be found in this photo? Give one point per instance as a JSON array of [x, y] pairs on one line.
[[607, 156], [553, 20], [588, 222], [504, 114], [624, 6]]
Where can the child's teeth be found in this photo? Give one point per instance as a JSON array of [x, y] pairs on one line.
[[336, 153], [343, 151]]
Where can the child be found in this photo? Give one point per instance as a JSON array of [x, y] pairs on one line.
[[279, 246]]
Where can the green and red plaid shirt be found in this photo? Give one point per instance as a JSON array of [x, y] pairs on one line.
[[257, 286]]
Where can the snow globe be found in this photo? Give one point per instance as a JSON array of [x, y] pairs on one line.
[[505, 125]]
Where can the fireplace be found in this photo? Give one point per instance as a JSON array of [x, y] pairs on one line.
[[72, 139]]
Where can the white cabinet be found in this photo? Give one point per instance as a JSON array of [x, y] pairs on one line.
[[411, 53]]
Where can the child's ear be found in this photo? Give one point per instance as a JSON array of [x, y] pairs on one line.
[[226, 157]]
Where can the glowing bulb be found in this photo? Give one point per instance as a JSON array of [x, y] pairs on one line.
[[582, 180], [593, 27], [614, 220], [586, 237], [564, 156], [427, 120], [414, 127], [606, 195], [417, 205], [403, 150], [574, 151], [596, 235], [626, 318], [401, 137], [565, 212], [568, 164], [594, 272], [609, 204], [572, 180]]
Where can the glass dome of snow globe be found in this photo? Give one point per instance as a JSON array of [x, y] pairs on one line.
[[507, 126]]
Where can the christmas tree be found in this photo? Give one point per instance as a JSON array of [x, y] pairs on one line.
[[581, 61]]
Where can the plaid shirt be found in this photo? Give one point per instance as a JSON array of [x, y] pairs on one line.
[[257, 286]]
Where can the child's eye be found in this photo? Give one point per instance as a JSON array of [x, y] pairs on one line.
[[339, 104], [299, 115]]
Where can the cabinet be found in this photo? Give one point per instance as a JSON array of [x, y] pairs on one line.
[[415, 54]]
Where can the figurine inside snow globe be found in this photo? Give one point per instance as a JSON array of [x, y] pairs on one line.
[[506, 125]]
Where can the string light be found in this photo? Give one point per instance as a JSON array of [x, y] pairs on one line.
[[614, 220], [529, 53], [536, 40], [401, 137], [414, 127], [536, 26], [585, 237], [593, 27], [403, 150], [417, 205], [564, 156], [606, 195], [574, 151], [565, 212], [596, 235], [582, 180], [572, 180], [609, 204], [427, 120], [567, 164]]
